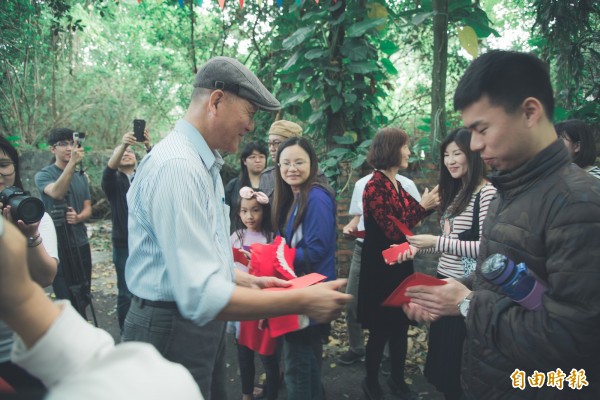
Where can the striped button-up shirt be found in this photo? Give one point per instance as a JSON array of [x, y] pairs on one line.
[[179, 227]]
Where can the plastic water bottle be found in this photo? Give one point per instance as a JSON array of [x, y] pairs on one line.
[[515, 281]]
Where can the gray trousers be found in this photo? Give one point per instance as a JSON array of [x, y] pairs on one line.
[[201, 349], [356, 340]]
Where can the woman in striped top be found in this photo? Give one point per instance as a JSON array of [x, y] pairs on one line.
[[463, 190]]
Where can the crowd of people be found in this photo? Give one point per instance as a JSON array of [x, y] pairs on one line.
[[191, 253]]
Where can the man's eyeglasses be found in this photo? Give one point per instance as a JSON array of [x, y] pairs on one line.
[[274, 143], [7, 168], [288, 165], [64, 143]]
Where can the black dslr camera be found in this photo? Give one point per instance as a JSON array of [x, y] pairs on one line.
[[23, 206]]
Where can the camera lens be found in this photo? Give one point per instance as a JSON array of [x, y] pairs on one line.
[[26, 208]]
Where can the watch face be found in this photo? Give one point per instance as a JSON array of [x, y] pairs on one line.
[[464, 307]]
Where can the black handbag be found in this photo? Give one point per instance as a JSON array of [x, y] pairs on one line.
[[472, 234]]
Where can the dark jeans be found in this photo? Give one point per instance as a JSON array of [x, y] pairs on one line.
[[201, 349], [120, 255], [303, 356], [247, 371], [79, 265]]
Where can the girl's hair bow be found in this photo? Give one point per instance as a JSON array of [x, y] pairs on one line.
[[247, 193]]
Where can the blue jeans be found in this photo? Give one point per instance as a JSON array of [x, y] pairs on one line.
[[303, 352], [200, 349], [120, 255]]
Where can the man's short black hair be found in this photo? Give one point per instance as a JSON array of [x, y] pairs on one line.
[[507, 78], [58, 134]]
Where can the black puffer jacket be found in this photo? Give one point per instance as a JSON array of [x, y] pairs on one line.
[[547, 214]]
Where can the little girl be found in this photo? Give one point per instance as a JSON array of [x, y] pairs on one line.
[[252, 225]]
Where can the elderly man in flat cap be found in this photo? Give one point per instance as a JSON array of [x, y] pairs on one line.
[[180, 268]]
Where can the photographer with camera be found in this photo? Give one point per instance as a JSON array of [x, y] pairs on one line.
[[116, 179], [41, 254], [66, 195]]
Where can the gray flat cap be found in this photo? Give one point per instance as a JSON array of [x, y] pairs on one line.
[[231, 75]]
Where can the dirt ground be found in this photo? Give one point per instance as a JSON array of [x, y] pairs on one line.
[[340, 381]]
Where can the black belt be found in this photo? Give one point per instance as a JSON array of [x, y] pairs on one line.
[[158, 304]]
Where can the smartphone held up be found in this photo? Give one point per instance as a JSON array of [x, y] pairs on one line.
[[139, 125]]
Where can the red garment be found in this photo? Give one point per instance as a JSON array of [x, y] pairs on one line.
[[275, 259]]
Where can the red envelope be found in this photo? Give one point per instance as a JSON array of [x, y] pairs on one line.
[[239, 257], [358, 234], [402, 226], [301, 282], [391, 255], [398, 296]]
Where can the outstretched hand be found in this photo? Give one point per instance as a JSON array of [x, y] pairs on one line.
[[430, 199], [325, 301], [440, 299]]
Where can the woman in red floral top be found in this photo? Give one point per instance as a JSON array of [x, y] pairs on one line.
[[386, 205]]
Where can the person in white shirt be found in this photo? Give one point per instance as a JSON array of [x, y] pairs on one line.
[[73, 359]]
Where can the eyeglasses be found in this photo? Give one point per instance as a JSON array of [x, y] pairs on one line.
[[287, 165], [7, 168], [274, 143], [64, 143]]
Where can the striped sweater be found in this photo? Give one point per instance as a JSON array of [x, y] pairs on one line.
[[453, 250]]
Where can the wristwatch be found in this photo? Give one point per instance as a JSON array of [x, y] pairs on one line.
[[463, 306]]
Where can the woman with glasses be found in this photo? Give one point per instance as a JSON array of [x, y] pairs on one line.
[[278, 133], [304, 214], [579, 140], [42, 258], [387, 210]]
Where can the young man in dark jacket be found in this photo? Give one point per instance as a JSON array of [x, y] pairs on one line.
[[116, 180], [547, 215]]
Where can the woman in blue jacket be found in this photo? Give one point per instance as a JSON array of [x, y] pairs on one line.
[[304, 214]]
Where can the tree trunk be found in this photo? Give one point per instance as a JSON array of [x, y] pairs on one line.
[[192, 45], [438, 79], [335, 120]]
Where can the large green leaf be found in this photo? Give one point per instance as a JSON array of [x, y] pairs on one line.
[[292, 61], [389, 66], [298, 37], [388, 47], [360, 28], [355, 49], [336, 103], [317, 115], [419, 18], [358, 161], [338, 152], [315, 53], [362, 67], [343, 139]]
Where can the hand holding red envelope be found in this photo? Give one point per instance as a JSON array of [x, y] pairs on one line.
[[391, 255], [398, 296], [240, 257]]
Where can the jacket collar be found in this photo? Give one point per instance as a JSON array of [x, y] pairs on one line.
[[545, 163]]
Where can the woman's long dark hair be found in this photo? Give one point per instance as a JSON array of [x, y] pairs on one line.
[[266, 228], [12, 153], [283, 197], [455, 194], [247, 152]]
